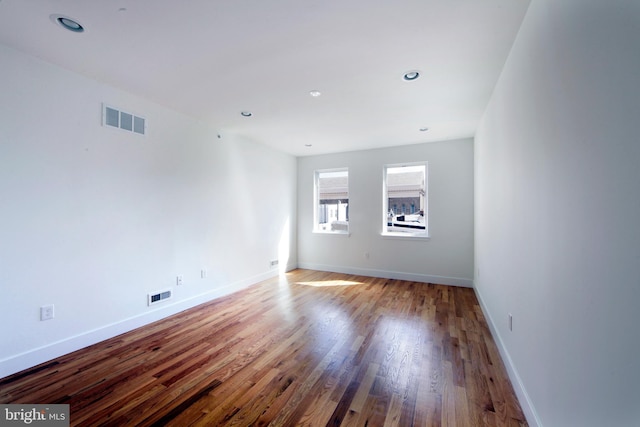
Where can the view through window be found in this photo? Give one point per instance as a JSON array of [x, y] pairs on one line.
[[332, 201], [405, 199]]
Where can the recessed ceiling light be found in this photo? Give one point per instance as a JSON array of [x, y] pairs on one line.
[[67, 23], [411, 75], [308, 145], [315, 93], [246, 114], [424, 129]]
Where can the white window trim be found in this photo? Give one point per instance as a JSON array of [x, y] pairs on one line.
[[316, 197], [404, 236], [422, 235], [335, 233]]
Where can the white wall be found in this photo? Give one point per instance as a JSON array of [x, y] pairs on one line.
[[446, 258], [94, 218], [557, 238]]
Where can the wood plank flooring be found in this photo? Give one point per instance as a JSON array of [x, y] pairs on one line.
[[309, 348]]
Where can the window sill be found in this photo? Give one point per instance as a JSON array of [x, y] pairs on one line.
[[333, 233], [404, 236]]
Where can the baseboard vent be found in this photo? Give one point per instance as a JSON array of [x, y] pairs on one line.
[[157, 297], [113, 117]]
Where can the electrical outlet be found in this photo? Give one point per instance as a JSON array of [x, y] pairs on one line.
[[46, 312], [179, 280], [203, 273]]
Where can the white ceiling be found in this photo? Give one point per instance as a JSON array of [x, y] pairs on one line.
[[212, 59]]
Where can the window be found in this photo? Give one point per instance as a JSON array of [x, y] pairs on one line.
[[405, 200], [331, 201]]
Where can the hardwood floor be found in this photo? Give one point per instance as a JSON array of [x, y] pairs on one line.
[[311, 348]]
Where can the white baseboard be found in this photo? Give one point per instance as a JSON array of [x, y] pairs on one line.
[[523, 397], [36, 356], [399, 275]]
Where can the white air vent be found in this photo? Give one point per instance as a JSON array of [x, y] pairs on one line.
[[157, 297], [116, 118]]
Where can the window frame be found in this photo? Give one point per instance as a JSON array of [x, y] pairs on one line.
[[422, 234], [316, 202]]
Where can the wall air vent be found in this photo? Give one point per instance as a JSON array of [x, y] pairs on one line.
[[116, 118], [157, 297]]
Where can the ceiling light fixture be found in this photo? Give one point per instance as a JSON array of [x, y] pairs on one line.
[[307, 145], [315, 93], [411, 75], [67, 23], [424, 129], [246, 114]]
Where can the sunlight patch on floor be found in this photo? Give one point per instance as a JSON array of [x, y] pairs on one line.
[[323, 283]]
